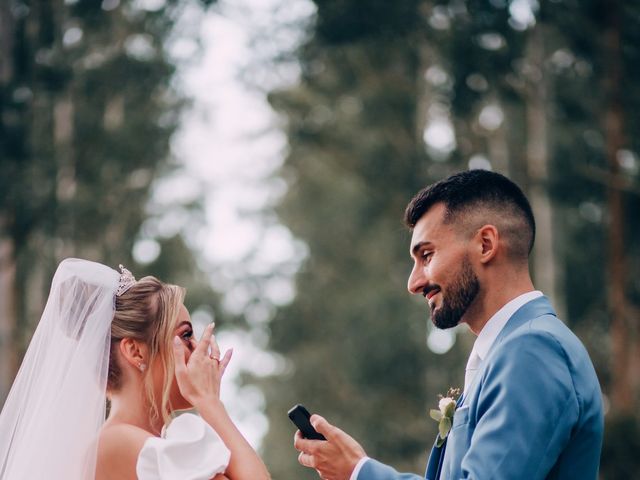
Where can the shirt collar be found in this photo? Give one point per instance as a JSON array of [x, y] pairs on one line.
[[496, 323]]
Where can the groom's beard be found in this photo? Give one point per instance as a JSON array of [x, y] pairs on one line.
[[459, 296]]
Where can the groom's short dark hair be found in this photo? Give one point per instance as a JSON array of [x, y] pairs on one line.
[[480, 196]]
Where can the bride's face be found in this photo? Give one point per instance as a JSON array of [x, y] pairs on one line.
[[184, 331]]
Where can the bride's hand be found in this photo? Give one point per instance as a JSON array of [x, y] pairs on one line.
[[199, 377]]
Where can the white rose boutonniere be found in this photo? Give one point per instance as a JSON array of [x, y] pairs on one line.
[[444, 414]]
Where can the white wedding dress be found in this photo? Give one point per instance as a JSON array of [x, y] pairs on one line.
[[189, 449]]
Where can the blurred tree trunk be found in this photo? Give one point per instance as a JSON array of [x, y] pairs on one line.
[[7, 250], [537, 97], [63, 113], [8, 360], [6, 43], [621, 388], [497, 144]]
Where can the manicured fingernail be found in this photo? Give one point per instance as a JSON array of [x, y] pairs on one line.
[[176, 340], [212, 325]]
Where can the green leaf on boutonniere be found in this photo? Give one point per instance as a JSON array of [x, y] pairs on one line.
[[450, 410], [435, 414], [444, 426]]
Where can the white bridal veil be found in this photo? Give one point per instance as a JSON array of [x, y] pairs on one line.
[[50, 421]]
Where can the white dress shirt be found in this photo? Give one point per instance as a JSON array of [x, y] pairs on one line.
[[483, 343]]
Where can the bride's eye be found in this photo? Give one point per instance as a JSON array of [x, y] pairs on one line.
[[187, 335]]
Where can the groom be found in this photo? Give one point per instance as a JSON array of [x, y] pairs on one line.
[[531, 406]]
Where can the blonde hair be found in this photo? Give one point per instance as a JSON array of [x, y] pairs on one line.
[[147, 312]]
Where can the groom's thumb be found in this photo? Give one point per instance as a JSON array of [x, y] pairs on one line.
[[322, 426]]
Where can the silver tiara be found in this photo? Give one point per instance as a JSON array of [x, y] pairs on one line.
[[127, 280]]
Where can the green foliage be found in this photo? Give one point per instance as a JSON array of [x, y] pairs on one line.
[[87, 110]]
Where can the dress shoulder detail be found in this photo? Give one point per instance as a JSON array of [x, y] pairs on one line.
[[189, 449]]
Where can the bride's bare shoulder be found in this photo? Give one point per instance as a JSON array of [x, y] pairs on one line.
[[118, 448]]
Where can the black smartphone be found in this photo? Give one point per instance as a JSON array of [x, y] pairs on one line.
[[300, 417]]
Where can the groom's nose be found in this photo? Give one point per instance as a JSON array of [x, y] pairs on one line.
[[417, 280]]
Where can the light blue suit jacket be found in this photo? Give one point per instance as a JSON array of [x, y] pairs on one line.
[[533, 412]]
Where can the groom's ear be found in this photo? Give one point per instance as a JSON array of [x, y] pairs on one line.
[[487, 240], [133, 351]]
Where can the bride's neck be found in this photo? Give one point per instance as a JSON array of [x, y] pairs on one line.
[[129, 405]]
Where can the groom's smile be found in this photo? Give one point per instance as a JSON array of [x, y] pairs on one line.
[[429, 295]]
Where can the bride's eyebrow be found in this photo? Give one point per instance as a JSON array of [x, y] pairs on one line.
[[185, 322]]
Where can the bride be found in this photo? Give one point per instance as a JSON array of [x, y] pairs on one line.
[[104, 335]]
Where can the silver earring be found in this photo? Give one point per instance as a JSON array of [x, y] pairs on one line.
[[142, 367]]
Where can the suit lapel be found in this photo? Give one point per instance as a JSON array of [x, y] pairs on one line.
[[532, 309], [435, 462]]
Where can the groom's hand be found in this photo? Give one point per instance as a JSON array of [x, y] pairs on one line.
[[333, 459]]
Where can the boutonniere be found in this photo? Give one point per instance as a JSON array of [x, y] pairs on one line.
[[444, 414]]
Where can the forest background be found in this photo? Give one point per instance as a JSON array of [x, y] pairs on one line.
[[386, 98]]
